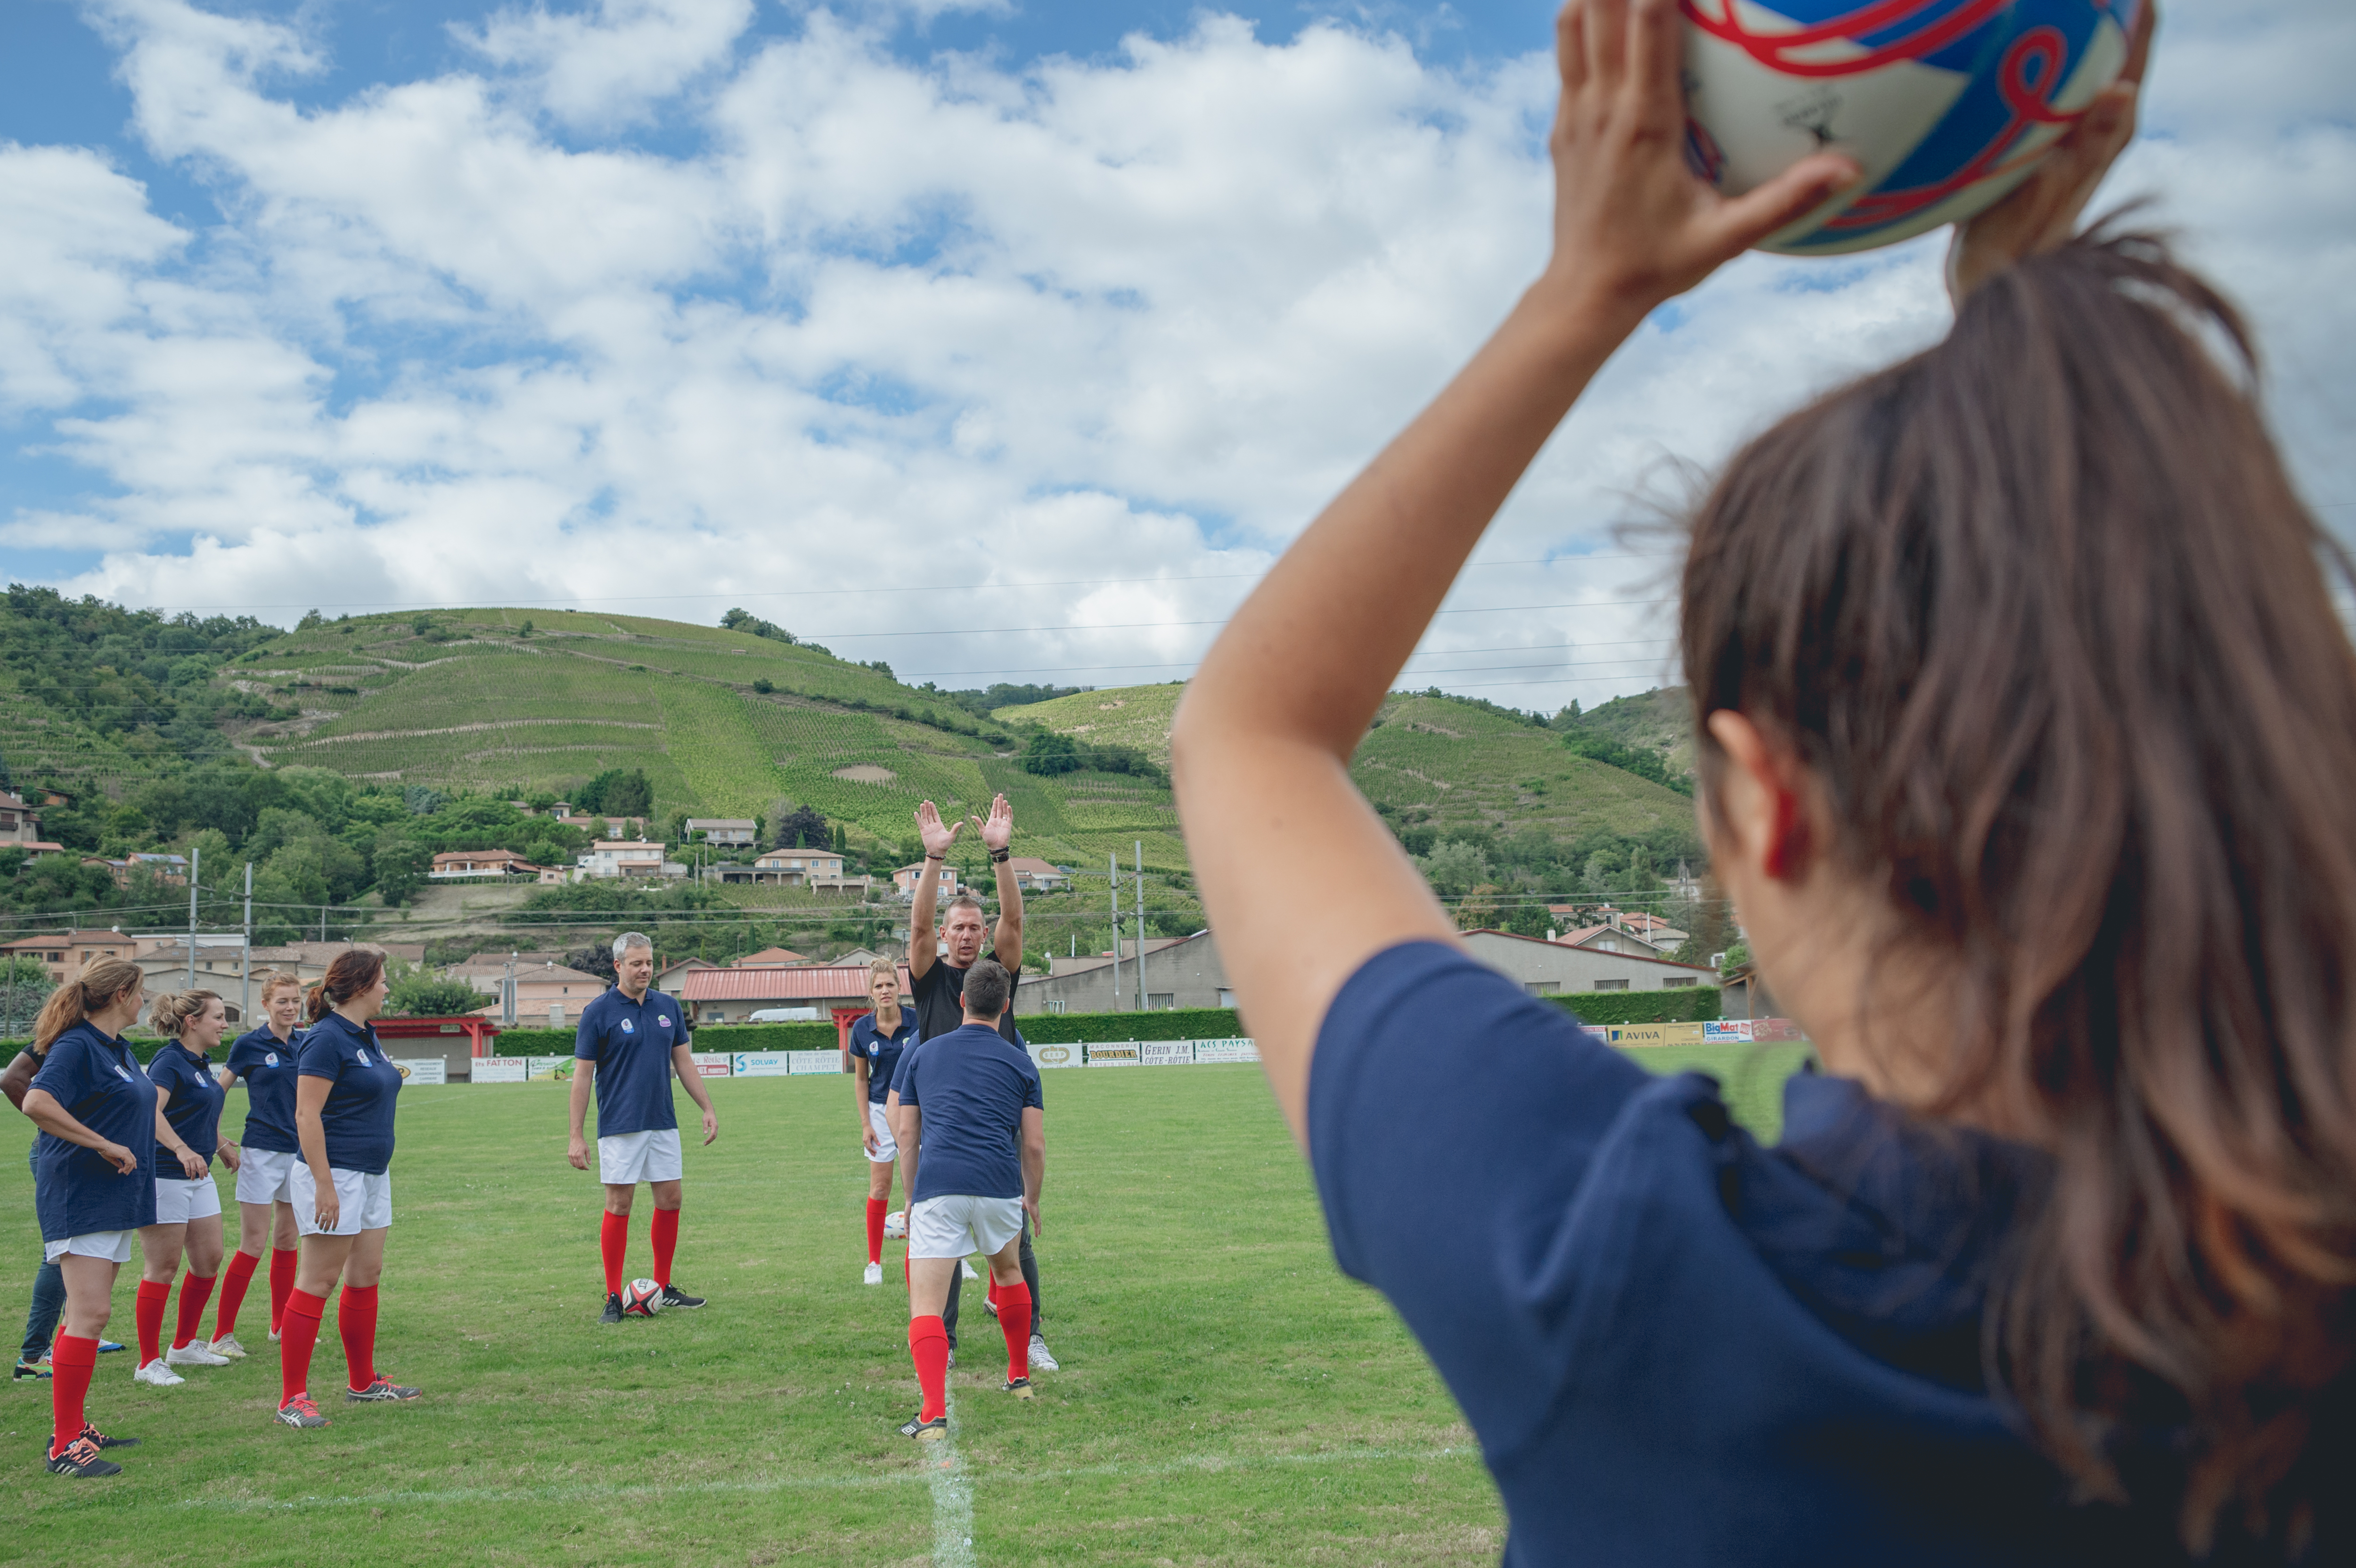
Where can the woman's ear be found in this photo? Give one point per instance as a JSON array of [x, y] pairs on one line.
[[1760, 799]]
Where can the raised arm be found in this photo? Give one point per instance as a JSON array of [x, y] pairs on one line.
[[1299, 875], [997, 835], [938, 837]]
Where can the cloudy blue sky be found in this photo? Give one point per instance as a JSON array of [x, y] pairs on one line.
[[1005, 340]]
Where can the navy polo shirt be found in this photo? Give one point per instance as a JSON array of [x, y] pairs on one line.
[[1676, 1346], [266, 1065], [194, 1110], [97, 1079], [631, 1043], [939, 996], [972, 1087], [357, 1117], [881, 1051]]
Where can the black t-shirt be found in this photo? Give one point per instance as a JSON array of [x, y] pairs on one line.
[[940, 994]]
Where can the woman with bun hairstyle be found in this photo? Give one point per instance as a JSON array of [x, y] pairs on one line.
[[188, 1205], [2024, 725], [263, 1058], [344, 1095], [91, 1187]]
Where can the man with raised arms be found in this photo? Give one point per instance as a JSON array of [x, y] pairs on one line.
[[630, 1043], [971, 1107]]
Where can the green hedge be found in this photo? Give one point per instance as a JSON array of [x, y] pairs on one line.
[[710, 1037], [142, 1046], [1183, 1023], [1697, 1006]]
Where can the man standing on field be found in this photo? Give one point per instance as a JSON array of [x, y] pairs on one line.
[[630, 1042], [970, 1103]]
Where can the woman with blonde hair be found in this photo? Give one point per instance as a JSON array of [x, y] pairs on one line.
[[877, 1039], [188, 1205], [263, 1058], [92, 1185]]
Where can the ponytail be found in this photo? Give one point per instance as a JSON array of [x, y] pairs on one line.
[[353, 972], [73, 1002], [169, 1012]]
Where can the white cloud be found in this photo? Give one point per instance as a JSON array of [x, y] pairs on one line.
[[898, 324]]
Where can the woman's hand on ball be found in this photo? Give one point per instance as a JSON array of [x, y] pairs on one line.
[[1634, 226]]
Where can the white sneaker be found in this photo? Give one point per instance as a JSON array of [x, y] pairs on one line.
[[967, 1265], [875, 1275], [195, 1353], [1041, 1361], [274, 1336], [157, 1373], [228, 1346]]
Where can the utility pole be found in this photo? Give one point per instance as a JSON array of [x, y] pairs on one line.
[[507, 996], [1112, 876], [245, 958], [196, 864], [1140, 925]]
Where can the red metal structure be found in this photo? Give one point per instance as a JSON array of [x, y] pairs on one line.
[[479, 1031]]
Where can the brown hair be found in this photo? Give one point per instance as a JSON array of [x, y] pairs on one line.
[[2043, 614], [168, 1012], [963, 900], [274, 979], [353, 972], [987, 988], [99, 984]]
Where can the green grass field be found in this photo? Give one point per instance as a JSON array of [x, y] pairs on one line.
[[1226, 1395]]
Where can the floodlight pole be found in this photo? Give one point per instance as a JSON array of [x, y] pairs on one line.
[[1112, 876], [245, 958], [1140, 925], [196, 864]]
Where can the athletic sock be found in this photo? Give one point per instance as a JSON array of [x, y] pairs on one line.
[[72, 1361], [1014, 1321], [666, 1238], [196, 1289], [614, 1246], [929, 1347], [355, 1321], [282, 1285], [876, 1208], [298, 1332], [232, 1292], [149, 1315]]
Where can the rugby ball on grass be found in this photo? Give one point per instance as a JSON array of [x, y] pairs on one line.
[[642, 1299]]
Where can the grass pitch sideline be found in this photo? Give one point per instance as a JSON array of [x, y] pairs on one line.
[[1228, 1397]]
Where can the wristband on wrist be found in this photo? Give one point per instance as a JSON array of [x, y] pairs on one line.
[[932, 857], [999, 857]]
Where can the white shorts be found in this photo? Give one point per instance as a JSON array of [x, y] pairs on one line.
[[114, 1246], [953, 1226], [179, 1200], [266, 1176], [887, 1147], [627, 1158], [363, 1201]]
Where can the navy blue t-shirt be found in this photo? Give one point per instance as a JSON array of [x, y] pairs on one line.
[[972, 1087], [97, 1079], [1676, 1346], [631, 1043], [194, 1110], [266, 1063], [357, 1117], [883, 1051]]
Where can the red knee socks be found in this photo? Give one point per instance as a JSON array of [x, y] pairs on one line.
[[665, 1242], [149, 1313], [1014, 1321], [232, 1292], [282, 1285], [355, 1321], [876, 1208], [614, 1246], [298, 1332], [929, 1347], [72, 1360], [196, 1289]]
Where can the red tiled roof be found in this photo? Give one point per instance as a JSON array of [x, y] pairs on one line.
[[781, 983]]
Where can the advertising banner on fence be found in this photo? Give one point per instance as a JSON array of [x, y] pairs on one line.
[[1236, 1050], [1654, 1034], [556, 1067], [1165, 1052], [1121, 1055], [760, 1065], [423, 1069], [500, 1069], [712, 1063], [1056, 1055], [1775, 1028], [815, 1060], [1727, 1030]]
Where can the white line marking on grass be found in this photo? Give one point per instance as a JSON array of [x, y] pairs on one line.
[[952, 1500]]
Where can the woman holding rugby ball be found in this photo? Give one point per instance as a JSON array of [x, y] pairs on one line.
[[344, 1097], [188, 1205], [264, 1059], [93, 1187]]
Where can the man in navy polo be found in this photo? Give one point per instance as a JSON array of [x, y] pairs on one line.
[[631, 1041]]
